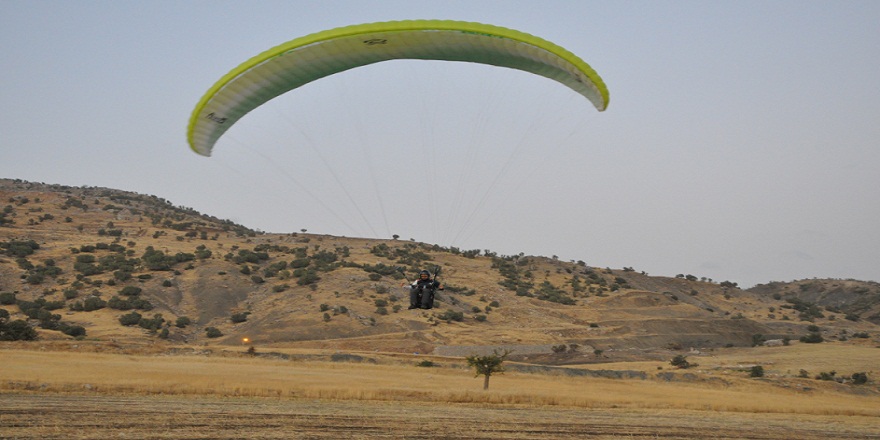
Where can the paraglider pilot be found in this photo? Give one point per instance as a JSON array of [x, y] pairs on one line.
[[421, 291]]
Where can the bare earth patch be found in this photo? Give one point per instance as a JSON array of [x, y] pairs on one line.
[[80, 417]]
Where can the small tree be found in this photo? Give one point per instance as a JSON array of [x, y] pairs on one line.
[[488, 365]]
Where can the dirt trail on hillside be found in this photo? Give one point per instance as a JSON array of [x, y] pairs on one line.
[[77, 417]]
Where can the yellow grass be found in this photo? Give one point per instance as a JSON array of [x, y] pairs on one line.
[[259, 377], [784, 361]]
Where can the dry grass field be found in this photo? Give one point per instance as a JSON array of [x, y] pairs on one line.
[[82, 394]]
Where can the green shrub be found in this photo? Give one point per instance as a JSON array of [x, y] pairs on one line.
[[18, 330], [72, 330], [859, 378], [213, 332], [239, 317], [680, 361], [757, 371], [153, 324], [7, 298], [812, 338], [130, 319], [450, 315], [130, 291], [826, 375], [309, 277], [93, 303]]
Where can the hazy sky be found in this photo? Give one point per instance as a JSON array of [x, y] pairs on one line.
[[740, 143]]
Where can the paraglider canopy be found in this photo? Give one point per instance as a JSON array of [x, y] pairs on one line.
[[306, 59]]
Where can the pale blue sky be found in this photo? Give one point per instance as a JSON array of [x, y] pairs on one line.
[[741, 141]]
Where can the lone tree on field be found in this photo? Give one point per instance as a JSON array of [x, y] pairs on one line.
[[488, 365]]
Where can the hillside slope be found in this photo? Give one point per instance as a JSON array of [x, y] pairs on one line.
[[91, 258]]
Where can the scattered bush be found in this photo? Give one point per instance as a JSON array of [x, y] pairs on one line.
[[756, 371], [7, 298], [93, 303], [213, 332], [130, 319], [18, 330], [450, 315], [153, 324], [680, 361], [72, 330], [826, 375], [812, 338], [859, 378], [239, 317], [758, 339], [130, 291]]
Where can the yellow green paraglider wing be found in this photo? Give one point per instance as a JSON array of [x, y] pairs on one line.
[[306, 59]]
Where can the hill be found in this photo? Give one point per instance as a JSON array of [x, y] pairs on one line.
[[111, 265]]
